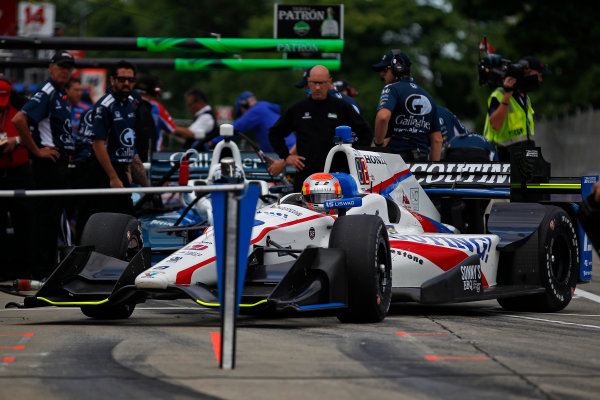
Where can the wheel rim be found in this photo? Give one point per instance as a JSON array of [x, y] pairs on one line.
[[134, 244], [560, 257], [383, 277]]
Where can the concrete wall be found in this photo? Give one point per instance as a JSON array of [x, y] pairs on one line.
[[571, 143]]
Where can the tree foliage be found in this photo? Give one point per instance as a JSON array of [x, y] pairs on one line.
[[440, 36]]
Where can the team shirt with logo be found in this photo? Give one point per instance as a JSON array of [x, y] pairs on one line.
[[77, 110], [83, 139], [414, 115], [49, 110], [114, 122]]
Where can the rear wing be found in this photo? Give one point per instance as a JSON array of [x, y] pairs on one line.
[[200, 163], [526, 178]]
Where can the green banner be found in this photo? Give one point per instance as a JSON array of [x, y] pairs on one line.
[[249, 64], [241, 45]]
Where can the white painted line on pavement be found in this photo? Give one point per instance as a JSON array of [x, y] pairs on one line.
[[587, 295], [552, 321]]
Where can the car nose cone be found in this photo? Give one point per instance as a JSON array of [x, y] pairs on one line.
[[151, 280]]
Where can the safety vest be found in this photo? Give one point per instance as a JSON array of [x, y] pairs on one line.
[[515, 126]]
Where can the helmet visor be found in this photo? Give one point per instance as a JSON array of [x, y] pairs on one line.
[[319, 198]]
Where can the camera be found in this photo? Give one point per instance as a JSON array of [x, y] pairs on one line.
[[492, 70]]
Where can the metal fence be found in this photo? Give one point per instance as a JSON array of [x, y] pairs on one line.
[[570, 142]]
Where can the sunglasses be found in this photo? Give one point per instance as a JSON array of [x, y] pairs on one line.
[[122, 79]]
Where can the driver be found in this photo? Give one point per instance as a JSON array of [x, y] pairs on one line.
[[318, 188]]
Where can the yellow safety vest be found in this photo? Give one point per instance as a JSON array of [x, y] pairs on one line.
[[515, 126]]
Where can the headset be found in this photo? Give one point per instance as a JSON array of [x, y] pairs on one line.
[[398, 64]]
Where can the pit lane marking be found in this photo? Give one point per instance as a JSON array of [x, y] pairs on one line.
[[552, 321], [19, 334], [587, 295], [216, 341], [24, 338], [436, 358]]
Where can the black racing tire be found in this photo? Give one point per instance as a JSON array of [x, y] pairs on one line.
[[558, 255], [365, 241], [112, 234], [120, 311]]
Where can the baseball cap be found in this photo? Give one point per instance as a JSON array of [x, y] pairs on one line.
[[240, 101], [386, 61], [345, 85], [147, 83], [62, 57], [304, 81], [536, 64], [5, 88]]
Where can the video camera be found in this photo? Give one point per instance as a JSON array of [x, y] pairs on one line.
[[492, 70]]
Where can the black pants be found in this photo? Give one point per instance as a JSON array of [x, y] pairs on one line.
[[97, 178], [15, 258], [413, 156], [78, 179], [47, 174]]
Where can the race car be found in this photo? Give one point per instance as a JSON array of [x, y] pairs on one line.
[[360, 235]]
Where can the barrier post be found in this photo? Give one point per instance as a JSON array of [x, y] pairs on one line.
[[233, 217]]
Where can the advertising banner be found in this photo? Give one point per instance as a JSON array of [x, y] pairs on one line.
[[309, 22], [36, 19]]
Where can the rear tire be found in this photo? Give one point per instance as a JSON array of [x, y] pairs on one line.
[[114, 235], [558, 255], [365, 241]]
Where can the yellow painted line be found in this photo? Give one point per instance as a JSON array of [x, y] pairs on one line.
[[73, 303], [549, 185], [241, 305]]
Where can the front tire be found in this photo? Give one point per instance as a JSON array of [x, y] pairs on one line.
[[112, 234], [120, 311], [558, 258], [365, 241]]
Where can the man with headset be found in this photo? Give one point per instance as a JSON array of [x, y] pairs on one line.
[[406, 121]]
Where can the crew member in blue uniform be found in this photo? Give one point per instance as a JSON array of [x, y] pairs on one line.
[[113, 133], [450, 125], [50, 144], [407, 119], [257, 116]]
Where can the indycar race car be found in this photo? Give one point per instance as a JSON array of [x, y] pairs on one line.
[[361, 234]]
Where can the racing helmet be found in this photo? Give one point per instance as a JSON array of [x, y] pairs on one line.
[[318, 188]]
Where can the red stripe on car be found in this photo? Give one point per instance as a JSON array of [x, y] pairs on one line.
[[185, 277], [442, 257]]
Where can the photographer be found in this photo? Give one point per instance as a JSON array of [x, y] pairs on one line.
[[509, 123]]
